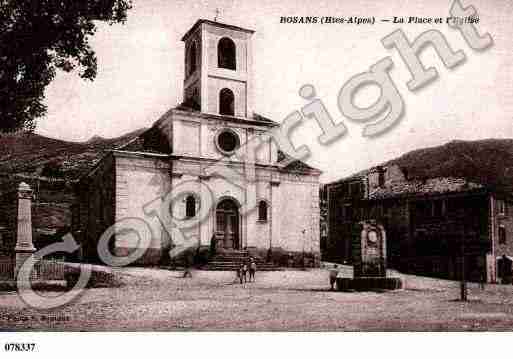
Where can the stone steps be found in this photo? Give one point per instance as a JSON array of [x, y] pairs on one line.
[[229, 267], [231, 260]]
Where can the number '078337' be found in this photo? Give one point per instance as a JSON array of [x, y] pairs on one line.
[[19, 347]]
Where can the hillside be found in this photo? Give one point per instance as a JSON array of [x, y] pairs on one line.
[[489, 162], [50, 167], [33, 154]]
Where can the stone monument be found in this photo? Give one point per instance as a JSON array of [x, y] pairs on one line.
[[24, 247], [369, 260]]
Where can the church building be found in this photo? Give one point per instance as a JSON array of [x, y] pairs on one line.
[[205, 174]]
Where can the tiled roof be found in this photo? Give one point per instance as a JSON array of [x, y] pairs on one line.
[[294, 164], [438, 185]]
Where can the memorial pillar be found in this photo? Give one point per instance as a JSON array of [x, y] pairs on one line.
[[24, 247]]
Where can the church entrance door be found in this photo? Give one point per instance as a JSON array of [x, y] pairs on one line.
[[227, 224]]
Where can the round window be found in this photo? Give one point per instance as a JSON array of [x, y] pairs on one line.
[[227, 141]]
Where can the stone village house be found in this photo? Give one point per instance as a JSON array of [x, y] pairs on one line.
[[429, 223], [213, 123]]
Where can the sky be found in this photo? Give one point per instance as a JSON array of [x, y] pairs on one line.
[[140, 74]]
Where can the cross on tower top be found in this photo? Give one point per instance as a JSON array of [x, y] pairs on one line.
[[217, 14]]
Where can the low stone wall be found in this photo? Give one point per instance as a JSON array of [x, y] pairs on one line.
[[43, 270]]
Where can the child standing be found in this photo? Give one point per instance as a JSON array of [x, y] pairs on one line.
[[243, 268], [252, 269], [333, 276]]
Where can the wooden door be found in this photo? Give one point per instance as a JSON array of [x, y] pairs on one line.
[[227, 225]]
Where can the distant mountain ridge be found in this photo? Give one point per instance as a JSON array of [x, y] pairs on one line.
[[31, 154], [51, 166], [489, 162]]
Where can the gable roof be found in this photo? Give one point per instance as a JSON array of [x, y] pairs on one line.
[[150, 141], [294, 164]]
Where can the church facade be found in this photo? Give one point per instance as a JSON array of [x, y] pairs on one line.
[[205, 175]]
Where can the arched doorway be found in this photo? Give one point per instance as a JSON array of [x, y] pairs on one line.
[[227, 224]]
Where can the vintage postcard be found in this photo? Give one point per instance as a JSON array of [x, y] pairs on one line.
[[254, 166]]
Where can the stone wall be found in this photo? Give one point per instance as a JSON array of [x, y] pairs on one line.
[[299, 214], [141, 181], [94, 210]]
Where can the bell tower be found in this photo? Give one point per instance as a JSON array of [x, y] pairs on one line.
[[219, 69]]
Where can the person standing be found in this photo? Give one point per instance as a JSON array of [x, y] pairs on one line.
[[187, 266], [333, 276], [242, 272], [238, 273], [252, 269]]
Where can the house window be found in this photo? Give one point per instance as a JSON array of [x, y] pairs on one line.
[[226, 102], [502, 235], [226, 54], [501, 207], [262, 211], [192, 59], [190, 206]]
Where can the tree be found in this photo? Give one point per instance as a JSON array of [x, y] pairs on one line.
[[38, 37]]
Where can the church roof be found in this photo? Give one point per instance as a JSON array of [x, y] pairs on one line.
[[295, 165], [150, 141], [261, 118], [214, 23]]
